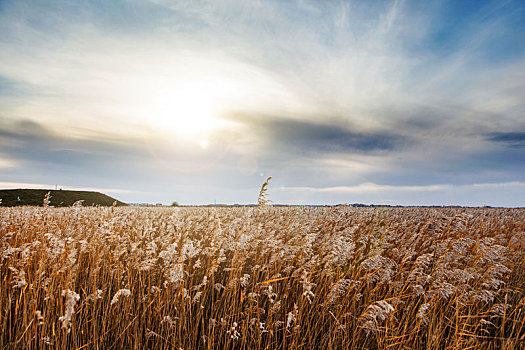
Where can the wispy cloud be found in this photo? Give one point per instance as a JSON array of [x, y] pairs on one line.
[[22, 185], [372, 187], [513, 139], [495, 194], [7, 163], [311, 135]]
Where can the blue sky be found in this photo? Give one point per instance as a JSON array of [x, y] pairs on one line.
[[393, 102]]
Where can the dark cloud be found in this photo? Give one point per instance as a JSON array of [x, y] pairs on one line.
[[305, 136], [31, 142], [23, 129], [513, 139]]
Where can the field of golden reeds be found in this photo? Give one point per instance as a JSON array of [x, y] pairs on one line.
[[262, 278]]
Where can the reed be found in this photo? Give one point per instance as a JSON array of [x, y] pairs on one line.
[[245, 278]]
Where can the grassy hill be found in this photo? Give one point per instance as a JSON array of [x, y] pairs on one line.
[[60, 198]]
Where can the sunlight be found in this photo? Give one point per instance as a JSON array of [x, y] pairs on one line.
[[190, 111]]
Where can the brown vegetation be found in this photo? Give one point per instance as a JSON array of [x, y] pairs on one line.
[[262, 278]]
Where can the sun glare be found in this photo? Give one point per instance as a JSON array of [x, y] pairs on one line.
[[190, 111]]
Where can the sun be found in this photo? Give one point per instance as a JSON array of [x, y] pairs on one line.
[[190, 111]]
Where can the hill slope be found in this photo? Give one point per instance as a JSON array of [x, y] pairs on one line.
[[61, 198]]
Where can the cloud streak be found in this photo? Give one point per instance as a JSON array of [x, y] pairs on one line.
[[17, 185], [372, 187], [513, 139], [313, 136]]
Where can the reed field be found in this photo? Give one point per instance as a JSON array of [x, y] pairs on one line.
[[262, 278]]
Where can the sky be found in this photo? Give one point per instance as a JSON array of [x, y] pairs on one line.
[[385, 102]]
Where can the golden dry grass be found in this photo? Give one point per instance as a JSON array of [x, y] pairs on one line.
[[269, 278]]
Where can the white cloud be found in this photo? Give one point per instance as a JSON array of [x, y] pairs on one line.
[[8, 163], [509, 194], [17, 185], [370, 187]]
